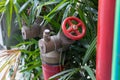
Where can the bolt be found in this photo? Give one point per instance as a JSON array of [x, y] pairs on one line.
[[46, 35], [47, 31], [75, 27]]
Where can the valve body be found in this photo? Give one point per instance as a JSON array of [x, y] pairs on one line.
[[50, 47]]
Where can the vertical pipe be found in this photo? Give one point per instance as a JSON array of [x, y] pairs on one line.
[[50, 70], [105, 39], [116, 48]]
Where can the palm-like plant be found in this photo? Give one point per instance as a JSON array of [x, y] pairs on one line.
[[11, 61]]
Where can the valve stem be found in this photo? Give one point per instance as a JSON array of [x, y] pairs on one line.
[[46, 35]]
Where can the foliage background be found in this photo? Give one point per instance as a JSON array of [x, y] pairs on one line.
[[79, 58]]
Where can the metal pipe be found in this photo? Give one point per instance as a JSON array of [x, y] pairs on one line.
[[50, 54], [30, 32], [105, 39], [116, 45]]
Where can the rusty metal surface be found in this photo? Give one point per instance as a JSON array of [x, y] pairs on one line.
[[30, 32], [52, 57]]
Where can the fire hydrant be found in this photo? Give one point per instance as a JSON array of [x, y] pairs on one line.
[[50, 45]]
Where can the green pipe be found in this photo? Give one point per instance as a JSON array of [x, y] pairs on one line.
[[116, 45]]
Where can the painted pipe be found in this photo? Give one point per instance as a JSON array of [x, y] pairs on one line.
[[51, 60], [105, 39], [50, 70], [116, 45]]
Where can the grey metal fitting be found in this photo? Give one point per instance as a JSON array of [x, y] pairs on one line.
[[30, 32], [50, 46], [52, 57], [46, 35]]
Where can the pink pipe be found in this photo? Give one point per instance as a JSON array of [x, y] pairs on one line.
[[105, 39]]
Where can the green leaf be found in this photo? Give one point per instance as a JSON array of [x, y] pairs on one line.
[[66, 12], [24, 6], [30, 68], [2, 3], [51, 2], [72, 73], [7, 2], [38, 74], [32, 63], [90, 72], [9, 13], [65, 74], [89, 51], [16, 8], [60, 6], [81, 14], [32, 15], [25, 19], [55, 24], [2, 9], [65, 77], [31, 42], [39, 8], [61, 73]]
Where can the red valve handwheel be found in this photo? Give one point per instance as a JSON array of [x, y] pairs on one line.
[[72, 31]]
